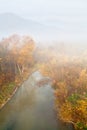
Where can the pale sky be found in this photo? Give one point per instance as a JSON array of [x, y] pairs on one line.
[[71, 14], [61, 9]]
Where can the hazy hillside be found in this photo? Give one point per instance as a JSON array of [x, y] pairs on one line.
[[41, 31], [11, 22]]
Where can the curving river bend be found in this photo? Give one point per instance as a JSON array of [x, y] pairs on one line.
[[32, 108]]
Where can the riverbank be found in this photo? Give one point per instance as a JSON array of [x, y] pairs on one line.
[[17, 86], [9, 98]]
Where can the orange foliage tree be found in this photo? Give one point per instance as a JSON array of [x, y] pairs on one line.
[[16, 62], [70, 85]]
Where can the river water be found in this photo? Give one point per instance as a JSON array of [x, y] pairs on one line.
[[32, 108]]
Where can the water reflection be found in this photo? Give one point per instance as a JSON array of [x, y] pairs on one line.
[[32, 108]]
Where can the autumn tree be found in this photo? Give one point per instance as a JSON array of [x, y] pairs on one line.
[[69, 76], [16, 62]]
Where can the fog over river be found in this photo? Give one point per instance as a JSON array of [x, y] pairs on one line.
[[32, 108]]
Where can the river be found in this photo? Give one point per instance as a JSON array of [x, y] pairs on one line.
[[32, 108]]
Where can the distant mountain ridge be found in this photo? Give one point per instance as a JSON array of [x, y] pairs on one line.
[[13, 22]]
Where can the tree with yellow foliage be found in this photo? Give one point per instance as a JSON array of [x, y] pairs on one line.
[[16, 62], [70, 85]]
